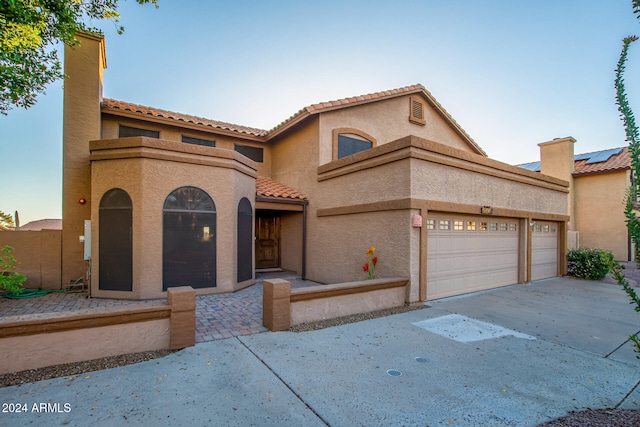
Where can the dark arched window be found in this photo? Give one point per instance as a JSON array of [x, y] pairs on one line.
[[115, 241], [188, 239], [245, 240]]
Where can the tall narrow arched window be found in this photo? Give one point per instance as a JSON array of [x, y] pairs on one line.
[[115, 241], [188, 239], [245, 240]]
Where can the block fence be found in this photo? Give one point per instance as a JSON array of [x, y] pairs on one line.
[[46, 339], [283, 307]]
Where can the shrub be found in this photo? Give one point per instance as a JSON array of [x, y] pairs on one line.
[[11, 282], [586, 263]]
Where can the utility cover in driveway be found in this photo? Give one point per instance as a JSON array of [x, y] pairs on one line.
[[464, 329]]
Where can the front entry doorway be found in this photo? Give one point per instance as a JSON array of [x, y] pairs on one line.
[[267, 239]]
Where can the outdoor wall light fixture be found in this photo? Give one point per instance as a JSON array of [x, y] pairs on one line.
[[532, 223], [82, 200]]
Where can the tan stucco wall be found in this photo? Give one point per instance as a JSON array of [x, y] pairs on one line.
[[599, 212], [387, 121], [557, 160], [291, 241], [39, 256], [83, 66], [29, 352], [110, 125], [132, 167]]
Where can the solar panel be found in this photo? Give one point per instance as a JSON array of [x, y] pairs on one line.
[[533, 166], [598, 156]]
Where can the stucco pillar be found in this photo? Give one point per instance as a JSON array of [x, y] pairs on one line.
[[182, 300], [83, 65], [276, 304], [557, 160]]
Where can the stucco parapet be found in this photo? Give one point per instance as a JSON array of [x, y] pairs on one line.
[[416, 147], [69, 320], [557, 141], [143, 147]]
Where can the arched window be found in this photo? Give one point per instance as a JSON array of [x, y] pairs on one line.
[[115, 241], [348, 141], [188, 239], [245, 240]]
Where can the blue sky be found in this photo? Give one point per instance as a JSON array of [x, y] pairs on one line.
[[512, 73]]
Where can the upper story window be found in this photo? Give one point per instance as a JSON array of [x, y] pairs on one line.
[[127, 131], [254, 153], [198, 141], [416, 110], [347, 141]]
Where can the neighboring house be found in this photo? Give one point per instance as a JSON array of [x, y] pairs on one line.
[[598, 182], [42, 224], [178, 200]]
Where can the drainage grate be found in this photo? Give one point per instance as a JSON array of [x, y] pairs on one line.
[[421, 360], [394, 373]]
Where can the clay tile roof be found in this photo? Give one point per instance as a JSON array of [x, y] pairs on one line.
[[377, 96], [609, 160], [112, 104], [602, 161], [267, 187]]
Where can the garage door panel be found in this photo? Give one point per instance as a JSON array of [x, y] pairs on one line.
[[544, 250], [468, 259]]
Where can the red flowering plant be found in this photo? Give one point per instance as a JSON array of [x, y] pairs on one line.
[[372, 264]]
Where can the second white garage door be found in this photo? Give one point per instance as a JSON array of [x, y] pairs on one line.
[[466, 254], [544, 252]]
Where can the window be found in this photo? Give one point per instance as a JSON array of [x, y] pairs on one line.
[[348, 141], [493, 226], [245, 240], [431, 224], [444, 224], [127, 131], [198, 141], [545, 228], [351, 144], [416, 110], [512, 226], [458, 224], [188, 239], [538, 228], [503, 226], [254, 153], [471, 225], [483, 226], [115, 241], [553, 228]]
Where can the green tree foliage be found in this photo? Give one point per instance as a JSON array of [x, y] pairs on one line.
[[29, 31], [9, 280], [633, 139]]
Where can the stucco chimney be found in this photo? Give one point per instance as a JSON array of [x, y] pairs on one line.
[[556, 160], [83, 65]]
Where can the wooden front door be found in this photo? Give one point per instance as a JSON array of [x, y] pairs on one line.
[[267, 241]]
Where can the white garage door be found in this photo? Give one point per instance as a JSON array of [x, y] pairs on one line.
[[544, 250], [466, 254]]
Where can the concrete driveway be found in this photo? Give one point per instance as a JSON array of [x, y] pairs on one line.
[[515, 356]]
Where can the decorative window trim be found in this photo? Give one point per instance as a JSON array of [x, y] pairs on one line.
[[416, 110], [352, 131]]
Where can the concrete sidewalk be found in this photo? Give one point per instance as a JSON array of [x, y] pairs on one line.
[[516, 356]]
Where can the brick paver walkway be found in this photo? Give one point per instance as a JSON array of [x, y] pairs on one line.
[[218, 316]]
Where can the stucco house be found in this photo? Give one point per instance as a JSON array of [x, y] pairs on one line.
[[175, 199], [598, 183]]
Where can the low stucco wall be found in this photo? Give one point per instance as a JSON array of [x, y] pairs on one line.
[[39, 340], [39, 255], [284, 307]]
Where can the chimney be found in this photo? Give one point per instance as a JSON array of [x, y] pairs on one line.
[[83, 65], [556, 160]]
